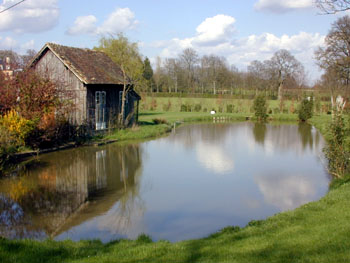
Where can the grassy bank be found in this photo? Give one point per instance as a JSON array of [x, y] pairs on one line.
[[144, 130], [316, 232]]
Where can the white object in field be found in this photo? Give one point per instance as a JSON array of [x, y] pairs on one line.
[[212, 112]]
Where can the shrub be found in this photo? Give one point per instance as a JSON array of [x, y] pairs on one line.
[[167, 106], [336, 151], [276, 111], [144, 239], [19, 128], [153, 104], [229, 108], [183, 108], [197, 107], [8, 146], [306, 109], [159, 121], [260, 107]]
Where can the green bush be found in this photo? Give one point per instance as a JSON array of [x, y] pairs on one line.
[[183, 108], [197, 107], [8, 146], [260, 107], [306, 109], [229, 108], [159, 121], [336, 151]]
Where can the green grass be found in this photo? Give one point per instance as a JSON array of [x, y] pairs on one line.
[[142, 131]]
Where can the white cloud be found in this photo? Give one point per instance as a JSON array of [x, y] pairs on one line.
[[213, 158], [120, 20], [216, 36], [215, 30], [278, 6], [29, 16], [83, 25], [286, 191]]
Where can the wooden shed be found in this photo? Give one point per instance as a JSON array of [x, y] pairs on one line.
[[95, 81]]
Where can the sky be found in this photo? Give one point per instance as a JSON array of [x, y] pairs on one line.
[[239, 30]]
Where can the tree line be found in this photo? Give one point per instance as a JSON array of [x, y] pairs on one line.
[[191, 73]]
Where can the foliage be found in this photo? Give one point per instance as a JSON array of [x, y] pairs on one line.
[[197, 107], [306, 109], [8, 146], [336, 150], [125, 54], [160, 121], [260, 107], [18, 127], [230, 108], [147, 69]]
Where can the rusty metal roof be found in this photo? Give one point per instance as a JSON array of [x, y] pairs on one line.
[[90, 66]]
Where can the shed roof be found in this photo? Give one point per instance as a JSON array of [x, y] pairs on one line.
[[90, 66]]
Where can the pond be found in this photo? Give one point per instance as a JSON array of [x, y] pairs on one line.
[[199, 179]]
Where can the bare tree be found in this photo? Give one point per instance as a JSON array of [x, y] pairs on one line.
[[189, 59], [335, 56], [286, 66], [332, 6]]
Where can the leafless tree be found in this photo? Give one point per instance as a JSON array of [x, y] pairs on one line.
[[335, 57], [286, 66], [332, 6], [189, 59]]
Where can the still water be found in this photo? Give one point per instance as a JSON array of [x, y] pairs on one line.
[[194, 182]]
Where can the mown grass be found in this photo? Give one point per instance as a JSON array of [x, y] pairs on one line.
[[144, 130]]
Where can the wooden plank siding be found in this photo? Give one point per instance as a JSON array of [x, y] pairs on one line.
[[50, 66]]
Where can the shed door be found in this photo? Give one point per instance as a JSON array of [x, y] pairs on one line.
[[100, 110]]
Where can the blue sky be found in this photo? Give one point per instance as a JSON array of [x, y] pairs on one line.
[[240, 30]]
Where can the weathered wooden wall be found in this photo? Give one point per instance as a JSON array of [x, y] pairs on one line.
[[51, 66]]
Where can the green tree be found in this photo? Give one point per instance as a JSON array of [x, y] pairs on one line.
[[260, 108], [125, 54], [306, 109], [147, 72], [147, 69]]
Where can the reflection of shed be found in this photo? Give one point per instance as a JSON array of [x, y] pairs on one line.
[[95, 81]]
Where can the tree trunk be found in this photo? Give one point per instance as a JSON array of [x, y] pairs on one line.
[[280, 87]]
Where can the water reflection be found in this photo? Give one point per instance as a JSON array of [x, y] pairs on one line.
[[48, 197], [223, 174], [286, 191]]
